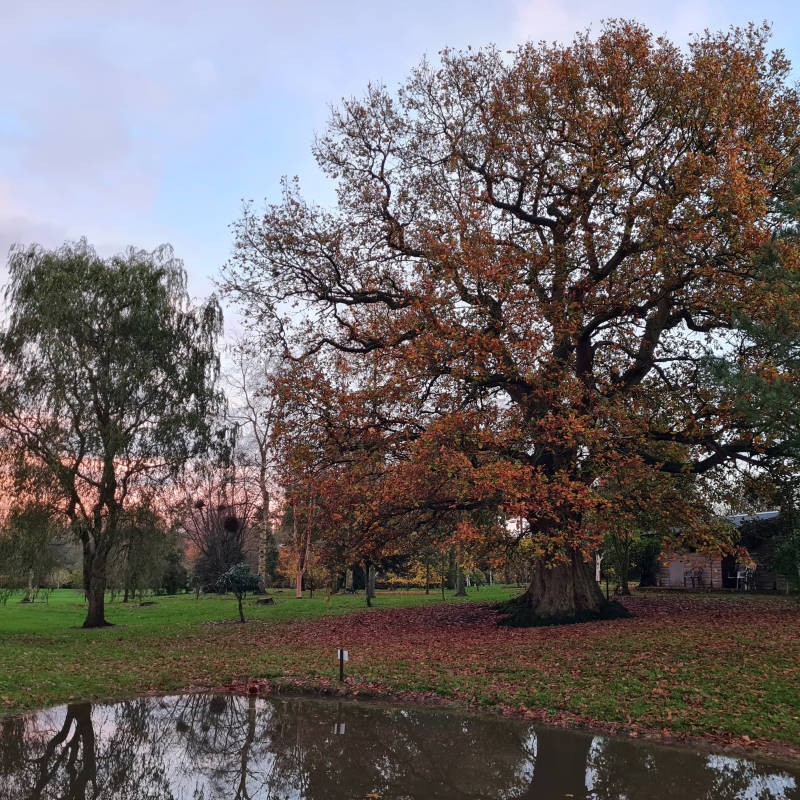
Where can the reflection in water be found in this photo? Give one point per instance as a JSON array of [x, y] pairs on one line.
[[201, 747]]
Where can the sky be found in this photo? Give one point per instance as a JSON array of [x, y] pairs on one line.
[[138, 122]]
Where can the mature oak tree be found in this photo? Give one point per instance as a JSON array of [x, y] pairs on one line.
[[543, 249], [107, 384]]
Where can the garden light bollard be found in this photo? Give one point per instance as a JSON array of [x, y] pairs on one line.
[[343, 656]]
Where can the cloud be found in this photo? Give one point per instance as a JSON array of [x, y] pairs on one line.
[[143, 121]]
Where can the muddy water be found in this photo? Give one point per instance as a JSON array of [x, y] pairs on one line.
[[202, 747]]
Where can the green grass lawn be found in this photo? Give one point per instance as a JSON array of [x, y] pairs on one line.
[[724, 667], [46, 657]]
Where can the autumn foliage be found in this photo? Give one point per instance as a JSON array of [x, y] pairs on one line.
[[532, 262]]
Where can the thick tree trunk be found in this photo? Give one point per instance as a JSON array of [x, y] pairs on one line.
[[564, 590], [298, 582], [562, 594], [95, 573], [95, 613]]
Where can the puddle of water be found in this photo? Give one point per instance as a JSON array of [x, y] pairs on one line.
[[222, 747]]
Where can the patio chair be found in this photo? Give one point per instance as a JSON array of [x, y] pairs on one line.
[[693, 577], [745, 578]]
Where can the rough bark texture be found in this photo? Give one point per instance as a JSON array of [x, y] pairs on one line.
[[95, 575], [95, 614], [561, 594]]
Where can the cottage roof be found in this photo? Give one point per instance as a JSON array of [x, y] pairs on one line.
[[760, 516]]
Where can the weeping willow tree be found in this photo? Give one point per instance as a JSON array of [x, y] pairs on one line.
[[107, 384]]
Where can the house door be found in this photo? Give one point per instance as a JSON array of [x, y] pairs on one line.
[[676, 572], [729, 572]]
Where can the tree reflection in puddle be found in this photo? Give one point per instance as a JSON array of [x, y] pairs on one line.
[[201, 747]]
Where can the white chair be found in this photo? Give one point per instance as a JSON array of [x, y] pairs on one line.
[[745, 578]]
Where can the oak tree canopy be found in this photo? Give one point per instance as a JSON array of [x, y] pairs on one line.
[[532, 260]]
